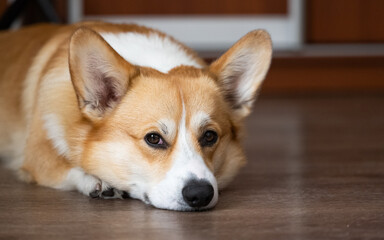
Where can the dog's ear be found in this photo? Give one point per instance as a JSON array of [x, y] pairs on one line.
[[241, 70], [100, 76]]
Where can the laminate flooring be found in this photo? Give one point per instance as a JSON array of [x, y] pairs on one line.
[[315, 171]]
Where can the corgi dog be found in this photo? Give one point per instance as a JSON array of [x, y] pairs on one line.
[[119, 110]]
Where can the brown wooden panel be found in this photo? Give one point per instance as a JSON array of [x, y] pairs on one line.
[[111, 7], [292, 73], [325, 74], [61, 9], [3, 5], [345, 21]]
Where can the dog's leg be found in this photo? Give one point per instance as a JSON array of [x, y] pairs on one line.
[[44, 166], [89, 185], [58, 175], [69, 179]]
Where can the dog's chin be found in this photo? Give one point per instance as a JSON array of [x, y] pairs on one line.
[[173, 205], [180, 205], [186, 209], [182, 208]]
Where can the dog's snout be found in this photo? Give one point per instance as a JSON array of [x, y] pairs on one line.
[[198, 193]]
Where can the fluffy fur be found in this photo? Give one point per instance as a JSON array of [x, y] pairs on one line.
[[77, 101]]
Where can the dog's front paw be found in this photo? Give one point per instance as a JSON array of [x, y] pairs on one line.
[[108, 193], [96, 192], [90, 185]]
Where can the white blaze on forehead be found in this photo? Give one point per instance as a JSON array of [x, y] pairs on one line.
[[149, 50], [186, 152]]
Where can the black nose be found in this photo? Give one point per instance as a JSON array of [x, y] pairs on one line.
[[198, 193]]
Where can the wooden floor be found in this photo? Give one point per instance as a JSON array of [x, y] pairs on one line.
[[315, 171]]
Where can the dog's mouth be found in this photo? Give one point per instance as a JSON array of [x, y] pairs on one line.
[[112, 192], [196, 195]]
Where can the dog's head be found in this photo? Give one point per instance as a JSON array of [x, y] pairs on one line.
[[170, 139]]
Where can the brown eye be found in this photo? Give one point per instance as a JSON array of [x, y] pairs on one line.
[[155, 140], [208, 139]]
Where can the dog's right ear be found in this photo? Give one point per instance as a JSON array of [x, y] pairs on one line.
[[100, 76]]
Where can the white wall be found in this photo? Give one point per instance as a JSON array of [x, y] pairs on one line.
[[215, 33]]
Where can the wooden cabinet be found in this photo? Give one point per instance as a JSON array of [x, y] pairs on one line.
[[190, 7], [345, 21]]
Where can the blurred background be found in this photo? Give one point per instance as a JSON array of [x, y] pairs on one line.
[[315, 140], [332, 46]]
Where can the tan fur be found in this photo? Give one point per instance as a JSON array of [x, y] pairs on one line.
[[43, 76]]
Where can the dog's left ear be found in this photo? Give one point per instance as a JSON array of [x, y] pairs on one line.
[[100, 76], [241, 70]]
